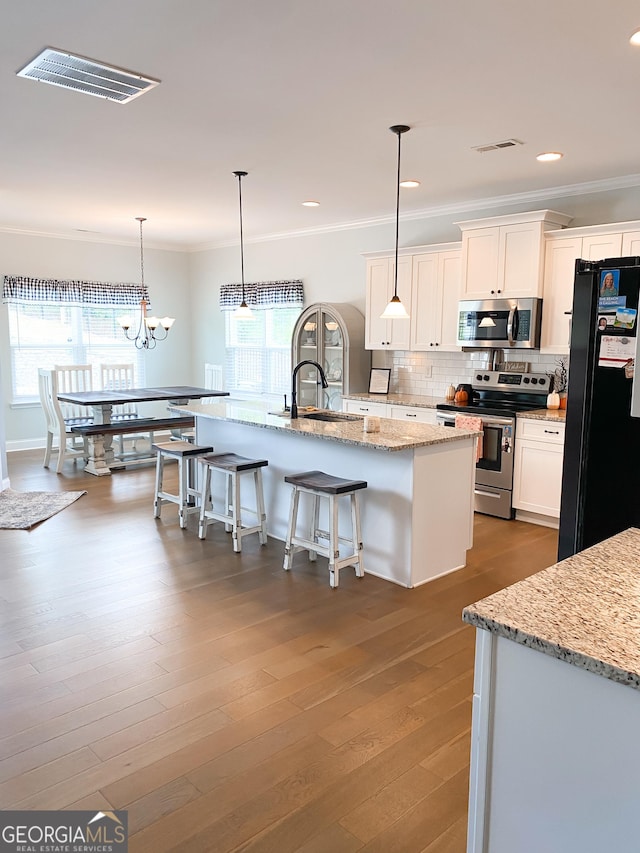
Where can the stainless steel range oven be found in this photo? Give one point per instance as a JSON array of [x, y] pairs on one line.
[[497, 398]]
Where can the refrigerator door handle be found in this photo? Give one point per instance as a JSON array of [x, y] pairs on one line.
[[511, 323]]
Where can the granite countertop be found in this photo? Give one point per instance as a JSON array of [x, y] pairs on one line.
[[417, 400], [394, 434], [584, 610], [558, 416]]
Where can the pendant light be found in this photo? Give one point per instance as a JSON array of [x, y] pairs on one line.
[[243, 312], [395, 310], [147, 334]]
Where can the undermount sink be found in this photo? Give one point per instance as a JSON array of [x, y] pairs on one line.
[[329, 416]]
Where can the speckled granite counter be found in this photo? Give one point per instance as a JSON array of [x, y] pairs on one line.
[[558, 416], [417, 400], [393, 436], [584, 610]]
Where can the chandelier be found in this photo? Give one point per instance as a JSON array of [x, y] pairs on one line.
[[152, 329]]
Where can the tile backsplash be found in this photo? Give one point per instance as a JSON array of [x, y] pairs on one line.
[[431, 373]]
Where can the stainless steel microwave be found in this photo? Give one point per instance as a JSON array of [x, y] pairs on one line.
[[500, 323]]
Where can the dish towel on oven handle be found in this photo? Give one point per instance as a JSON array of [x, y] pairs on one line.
[[475, 424]]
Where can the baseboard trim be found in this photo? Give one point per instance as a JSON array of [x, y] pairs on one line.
[[536, 518]]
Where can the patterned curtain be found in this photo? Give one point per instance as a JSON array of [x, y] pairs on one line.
[[23, 289], [263, 295]]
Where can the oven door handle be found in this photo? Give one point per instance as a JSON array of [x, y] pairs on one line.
[[497, 422]]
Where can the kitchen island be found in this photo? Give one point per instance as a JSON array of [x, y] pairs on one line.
[[555, 754], [417, 511]]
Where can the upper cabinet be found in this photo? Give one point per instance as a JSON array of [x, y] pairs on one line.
[[592, 243], [429, 287], [387, 334], [503, 257]]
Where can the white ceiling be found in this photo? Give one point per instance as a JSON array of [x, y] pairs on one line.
[[300, 94]]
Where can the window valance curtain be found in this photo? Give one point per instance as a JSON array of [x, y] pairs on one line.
[[18, 288], [263, 295]]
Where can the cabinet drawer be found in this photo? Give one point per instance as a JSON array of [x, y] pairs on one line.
[[414, 414], [364, 407], [549, 431]]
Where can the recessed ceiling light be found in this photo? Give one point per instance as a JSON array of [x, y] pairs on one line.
[[548, 156], [409, 183], [311, 203], [635, 37]]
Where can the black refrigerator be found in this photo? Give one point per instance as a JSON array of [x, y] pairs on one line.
[[601, 468]]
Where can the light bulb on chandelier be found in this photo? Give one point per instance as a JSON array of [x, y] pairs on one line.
[[147, 334]]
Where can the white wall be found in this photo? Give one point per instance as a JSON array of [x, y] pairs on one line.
[[166, 273]]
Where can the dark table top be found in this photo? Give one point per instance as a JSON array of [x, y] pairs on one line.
[[139, 395]]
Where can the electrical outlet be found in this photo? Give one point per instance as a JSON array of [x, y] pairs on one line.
[[426, 372]]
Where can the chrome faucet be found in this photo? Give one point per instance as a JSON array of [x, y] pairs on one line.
[[294, 395]]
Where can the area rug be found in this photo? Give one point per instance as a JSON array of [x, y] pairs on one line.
[[22, 510]]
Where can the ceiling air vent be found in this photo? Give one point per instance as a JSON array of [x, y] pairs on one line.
[[495, 146], [85, 75]]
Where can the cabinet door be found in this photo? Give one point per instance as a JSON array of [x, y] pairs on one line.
[[413, 414], [450, 282], [537, 477], [602, 246], [377, 332], [426, 308], [520, 259], [480, 262], [631, 244], [364, 407], [559, 272]]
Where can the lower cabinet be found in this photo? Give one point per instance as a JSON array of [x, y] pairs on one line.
[[537, 472], [413, 414]]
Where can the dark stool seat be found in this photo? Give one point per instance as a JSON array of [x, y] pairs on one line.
[[232, 466], [185, 452], [320, 485]]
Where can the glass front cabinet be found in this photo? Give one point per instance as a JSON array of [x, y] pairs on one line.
[[332, 334]]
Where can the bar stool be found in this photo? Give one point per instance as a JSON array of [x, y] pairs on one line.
[[232, 466], [184, 452], [321, 485]]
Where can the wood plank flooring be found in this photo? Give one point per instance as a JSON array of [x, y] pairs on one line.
[[226, 704]]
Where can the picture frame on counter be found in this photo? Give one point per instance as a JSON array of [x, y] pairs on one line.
[[379, 379]]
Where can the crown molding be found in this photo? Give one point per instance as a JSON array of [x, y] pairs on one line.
[[93, 237]]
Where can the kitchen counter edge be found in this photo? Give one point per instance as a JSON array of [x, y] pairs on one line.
[[583, 610]]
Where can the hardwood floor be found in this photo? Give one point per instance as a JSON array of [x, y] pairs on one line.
[[226, 704]]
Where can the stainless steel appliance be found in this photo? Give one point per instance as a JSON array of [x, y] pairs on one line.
[[497, 397], [511, 323]]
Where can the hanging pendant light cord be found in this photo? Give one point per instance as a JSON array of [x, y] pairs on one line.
[[240, 176], [141, 219], [399, 129]]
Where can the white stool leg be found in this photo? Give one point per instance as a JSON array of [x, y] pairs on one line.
[[228, 496], [205, 502], [182, 491], [293, 515], [315, 520], [334, 553], [357, 537], [236, 531], [262, 515], [157, 502]]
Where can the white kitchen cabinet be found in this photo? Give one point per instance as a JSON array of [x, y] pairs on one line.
[[561, 252], [503, 257], [537, 468], [412, 414], [434, 307], [387, 334], [362, 407]]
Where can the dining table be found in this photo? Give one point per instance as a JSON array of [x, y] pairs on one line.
[[100, 451]]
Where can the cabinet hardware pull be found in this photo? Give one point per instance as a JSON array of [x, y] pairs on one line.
[[552, 431], [411, 415]]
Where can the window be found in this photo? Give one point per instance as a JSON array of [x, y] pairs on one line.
[[52, 323], [258, 351]]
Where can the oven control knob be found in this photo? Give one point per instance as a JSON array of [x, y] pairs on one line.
[[534, 381], [486, 377], [542, 380], [479, 377], [526, 380]]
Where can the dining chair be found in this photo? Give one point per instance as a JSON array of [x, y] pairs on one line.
[[71, 378], [118, 377], [59, 436]]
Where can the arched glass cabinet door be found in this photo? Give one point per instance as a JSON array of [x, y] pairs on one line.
[[333, 360]]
